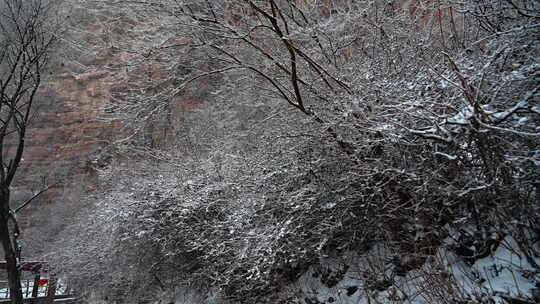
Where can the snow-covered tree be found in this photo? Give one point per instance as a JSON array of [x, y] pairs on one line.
[[329, 126]]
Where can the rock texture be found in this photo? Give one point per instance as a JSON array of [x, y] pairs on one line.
[[101, 59]]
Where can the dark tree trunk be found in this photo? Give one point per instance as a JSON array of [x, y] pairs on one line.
[[35, 288], [14, 276], [51, 291]]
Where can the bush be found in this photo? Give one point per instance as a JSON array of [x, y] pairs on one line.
[[395, 134]]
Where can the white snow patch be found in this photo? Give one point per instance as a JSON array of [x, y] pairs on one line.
[[352, 278], [505, 273]]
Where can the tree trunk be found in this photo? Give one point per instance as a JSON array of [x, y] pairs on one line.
[[14, 276], [35, 288], [51, 291]]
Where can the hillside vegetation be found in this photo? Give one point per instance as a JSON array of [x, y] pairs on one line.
[[329, 134]]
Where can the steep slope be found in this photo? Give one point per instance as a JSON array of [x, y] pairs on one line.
[[97, 63]]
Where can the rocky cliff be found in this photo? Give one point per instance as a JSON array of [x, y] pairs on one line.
[[100, 59]]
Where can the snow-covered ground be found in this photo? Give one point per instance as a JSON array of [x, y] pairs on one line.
[[445, 278], [503, 277]]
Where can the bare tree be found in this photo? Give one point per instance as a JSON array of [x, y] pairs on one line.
[[25, 39]]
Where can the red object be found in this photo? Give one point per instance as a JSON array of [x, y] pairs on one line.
[[43, 282]]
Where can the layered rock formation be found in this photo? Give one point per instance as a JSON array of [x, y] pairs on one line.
[[101, 59]]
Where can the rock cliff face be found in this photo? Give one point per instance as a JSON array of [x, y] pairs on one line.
[[100, 59], [67, 128]]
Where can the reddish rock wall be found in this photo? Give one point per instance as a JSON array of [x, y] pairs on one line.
[[69, 125]]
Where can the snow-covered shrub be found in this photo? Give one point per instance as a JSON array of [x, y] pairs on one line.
[[329, 132]]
